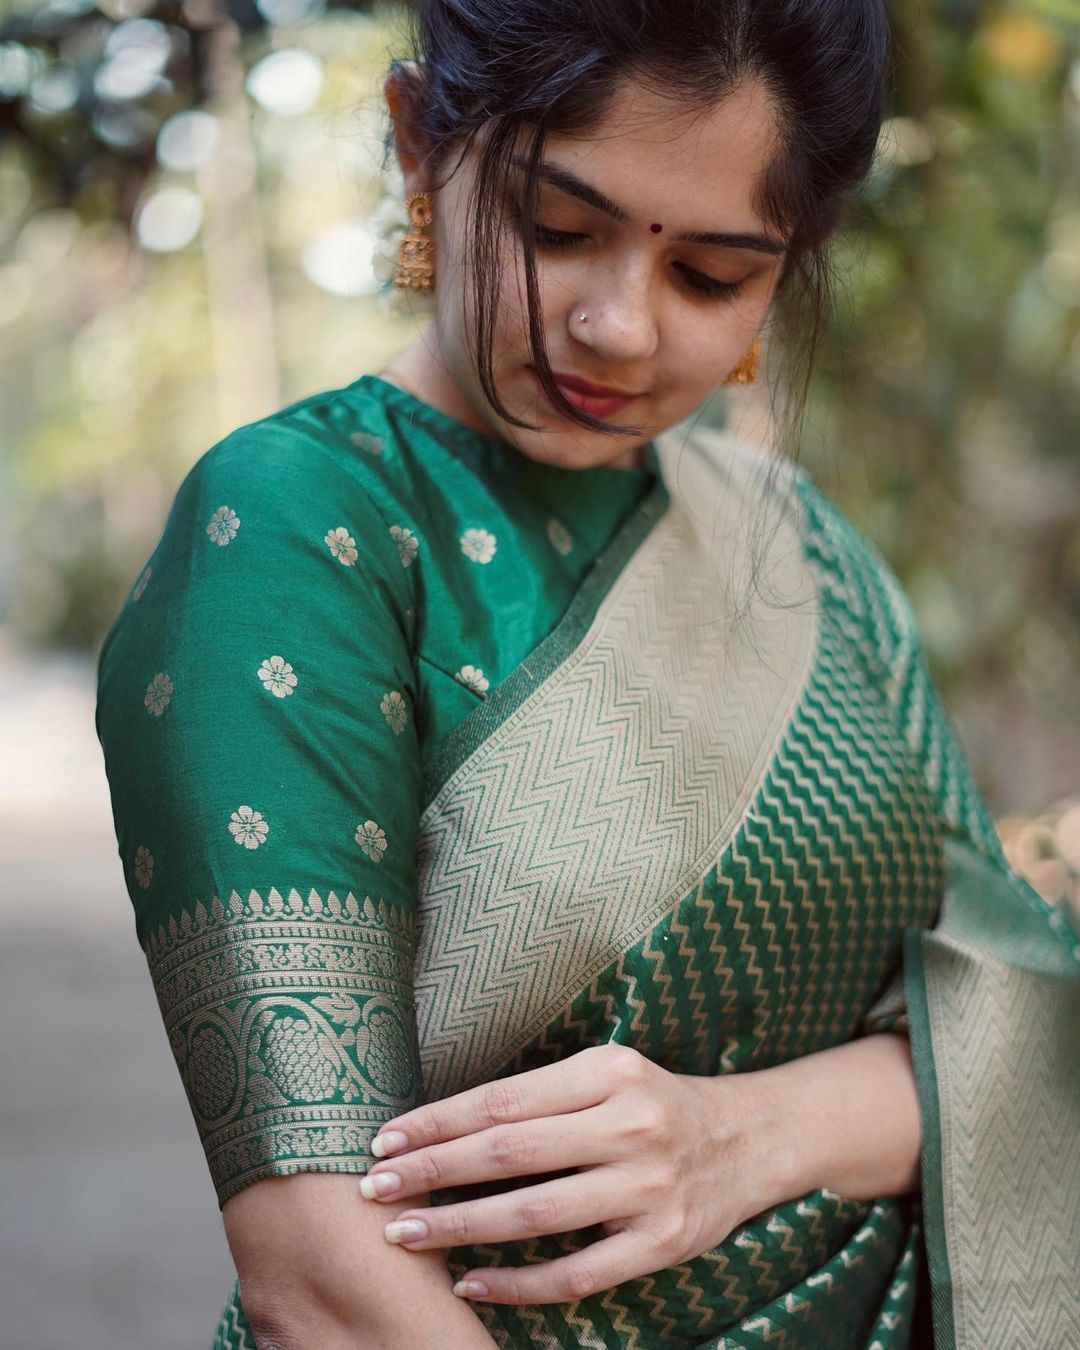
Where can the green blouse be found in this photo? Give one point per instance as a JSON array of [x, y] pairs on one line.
[[337, 586]]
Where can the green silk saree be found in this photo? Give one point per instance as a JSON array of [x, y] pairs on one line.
[[718, 816]]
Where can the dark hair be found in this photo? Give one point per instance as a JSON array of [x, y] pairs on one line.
[[554, 65]]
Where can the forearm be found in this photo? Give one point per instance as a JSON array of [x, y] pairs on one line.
[[309, 1323], [316, 1272], [844, 1119]]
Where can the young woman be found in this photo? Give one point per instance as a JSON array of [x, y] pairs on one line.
[[543, 807]]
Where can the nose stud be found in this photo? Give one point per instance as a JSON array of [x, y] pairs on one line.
[[583, 317]]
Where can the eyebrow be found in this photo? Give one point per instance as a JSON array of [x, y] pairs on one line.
[[571, 184]]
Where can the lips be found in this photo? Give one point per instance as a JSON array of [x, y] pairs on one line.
[[598, 400]]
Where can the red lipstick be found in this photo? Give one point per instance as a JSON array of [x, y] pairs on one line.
[[598, 400]]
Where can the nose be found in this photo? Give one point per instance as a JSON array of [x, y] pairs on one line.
[[621, 326]]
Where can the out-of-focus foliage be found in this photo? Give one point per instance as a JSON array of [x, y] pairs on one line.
[[159, 290], [948, 403], [1045, 849], [185, 187]]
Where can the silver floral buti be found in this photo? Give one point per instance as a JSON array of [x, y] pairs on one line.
[[248, 827], [342, 545], [371, 839], [407, 543], [158, 694], [394, 710], [223, 525], [278, 676], [367, 440], [472, 677], [479, 545], [144, 866]]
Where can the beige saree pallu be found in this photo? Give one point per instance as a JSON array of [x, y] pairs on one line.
[[729, 839]]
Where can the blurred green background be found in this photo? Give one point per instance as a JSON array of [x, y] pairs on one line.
[[187, 191]]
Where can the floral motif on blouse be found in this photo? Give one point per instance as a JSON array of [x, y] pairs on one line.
[[479, 545], [366, 440], [562, 541], [394, 710], [141, 584], [248, 827], [158, 694], [407, 543], [223, 525], [342, 545], [144, 866], [278, 676], [472, 677], [371, 839]]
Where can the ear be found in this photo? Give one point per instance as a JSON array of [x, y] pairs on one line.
[[401, 88]]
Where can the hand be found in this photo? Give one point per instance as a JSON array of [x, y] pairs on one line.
[[661, 1159]]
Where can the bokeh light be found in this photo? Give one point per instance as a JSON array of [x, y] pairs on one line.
[[286, 83], [187, 141], [170, 219]]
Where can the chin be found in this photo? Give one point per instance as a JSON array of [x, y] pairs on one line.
[[565, 452]]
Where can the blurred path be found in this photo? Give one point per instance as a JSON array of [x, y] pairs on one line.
[[110, 1235]]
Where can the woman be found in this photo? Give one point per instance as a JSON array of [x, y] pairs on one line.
[[505, 769]]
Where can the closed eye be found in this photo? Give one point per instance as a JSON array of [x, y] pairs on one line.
[[697, 281], [556, 238], [704, 285]]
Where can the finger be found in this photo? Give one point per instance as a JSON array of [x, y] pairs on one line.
[[581, 1080], [547, 1144], [558, 1206], [601, 1265]]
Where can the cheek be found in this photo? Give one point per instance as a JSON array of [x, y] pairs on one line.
[[699, 351]]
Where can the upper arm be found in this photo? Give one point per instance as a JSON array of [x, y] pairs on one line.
[[255, 709]]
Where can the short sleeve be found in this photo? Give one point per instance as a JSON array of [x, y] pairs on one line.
[[255, 708], [872, 605]]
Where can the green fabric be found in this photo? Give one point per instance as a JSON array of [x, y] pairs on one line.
[[336, 588], [530, 791]]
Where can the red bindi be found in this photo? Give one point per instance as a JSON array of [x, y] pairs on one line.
[[656, 228]]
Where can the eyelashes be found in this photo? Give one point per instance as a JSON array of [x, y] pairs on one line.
[[558, 240], [555, 238], [726, 290]]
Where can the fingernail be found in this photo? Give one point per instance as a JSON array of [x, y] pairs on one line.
[[471, 1289], [380, 1183], [405, 1230], [389, 1142]]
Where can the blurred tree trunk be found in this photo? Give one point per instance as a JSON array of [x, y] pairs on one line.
[[233, 247]]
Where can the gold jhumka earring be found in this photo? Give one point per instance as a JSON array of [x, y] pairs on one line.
[[747, 369], [416, 251]]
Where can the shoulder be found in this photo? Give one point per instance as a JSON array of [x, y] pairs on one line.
[[314, 481], [855, 577], [852, 577], [319, 449], [286, 511]]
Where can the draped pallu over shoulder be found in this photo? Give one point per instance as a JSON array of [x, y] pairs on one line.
[[703, 819], [601, 795], [687, 825]]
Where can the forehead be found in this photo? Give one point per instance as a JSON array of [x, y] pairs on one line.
[[657, 159]]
